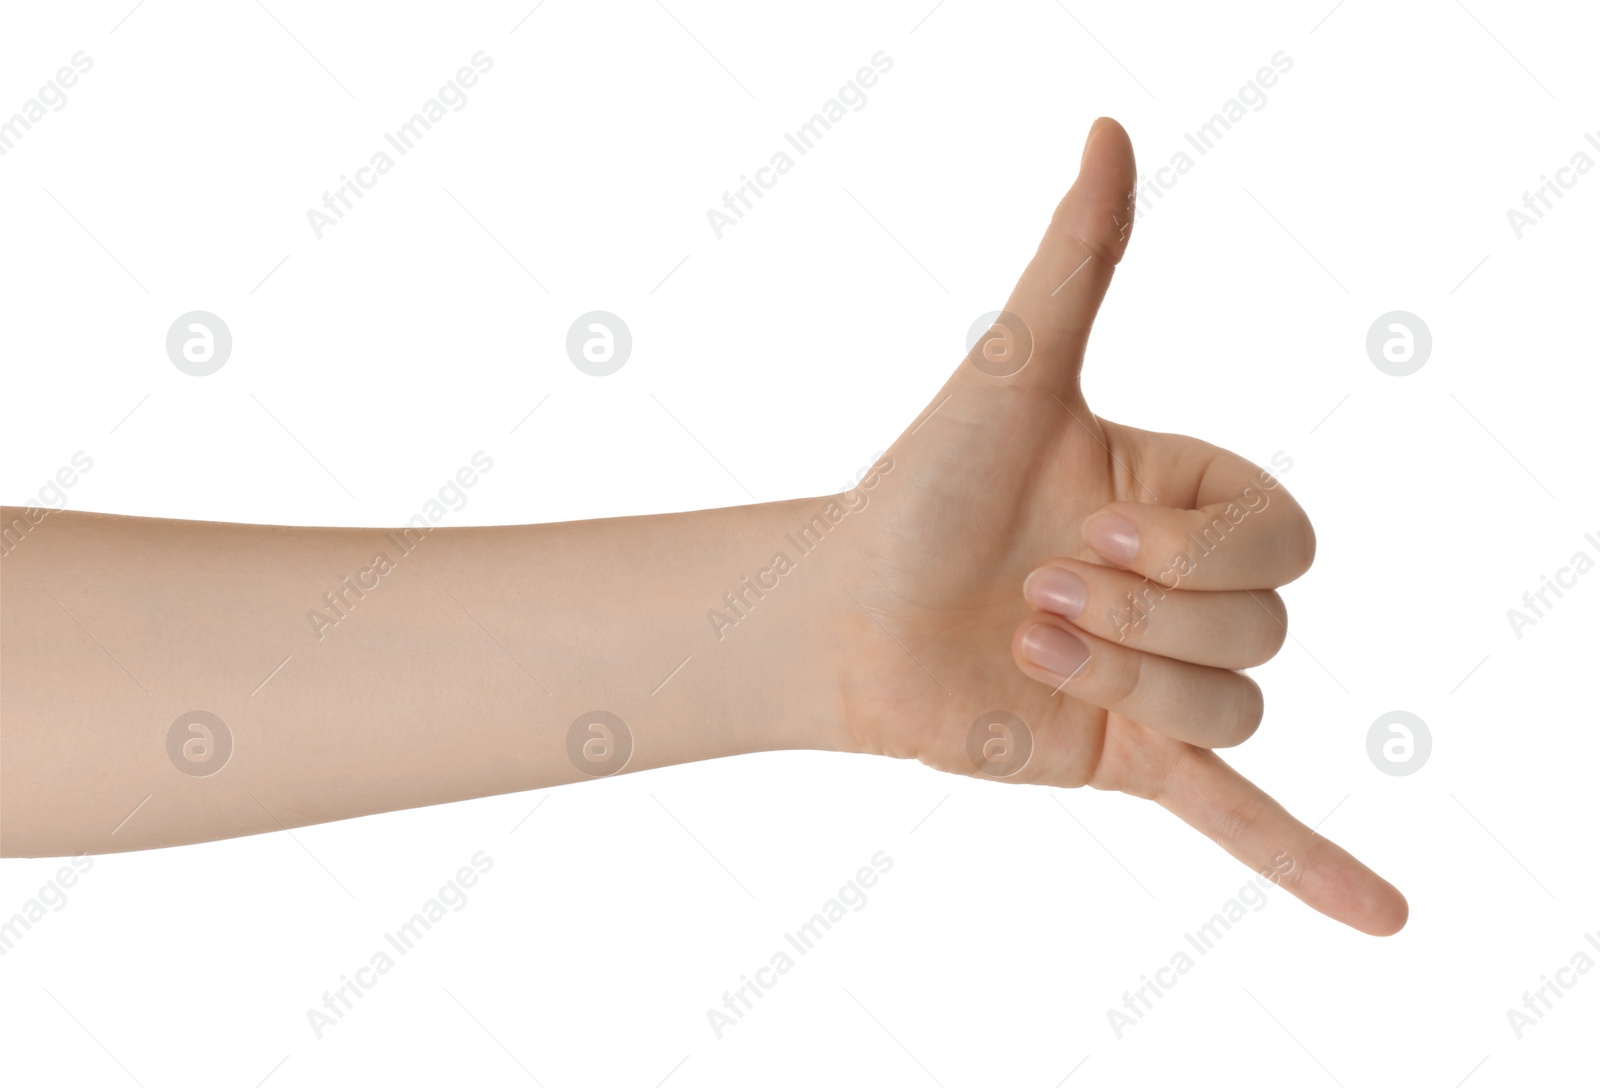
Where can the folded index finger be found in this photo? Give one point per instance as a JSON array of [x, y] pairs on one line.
[[1239, 528]]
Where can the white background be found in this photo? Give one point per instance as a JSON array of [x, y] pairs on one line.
[[370, 364]]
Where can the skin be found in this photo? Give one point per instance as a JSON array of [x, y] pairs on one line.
[[923, 600]]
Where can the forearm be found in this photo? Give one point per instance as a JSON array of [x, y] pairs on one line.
[[362, 670]]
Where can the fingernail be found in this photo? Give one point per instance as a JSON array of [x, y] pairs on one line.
[[1053, 650], [1052, 589], [1113, 536]]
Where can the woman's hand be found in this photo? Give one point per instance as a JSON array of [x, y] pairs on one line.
[[970, 612], [1041, 595]]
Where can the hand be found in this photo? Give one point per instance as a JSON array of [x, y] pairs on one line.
[[1020, 554], [963, 580]]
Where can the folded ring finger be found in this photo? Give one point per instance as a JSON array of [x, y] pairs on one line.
[[1211, 708]]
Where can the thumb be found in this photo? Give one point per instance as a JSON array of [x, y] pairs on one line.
[[1041, 336]]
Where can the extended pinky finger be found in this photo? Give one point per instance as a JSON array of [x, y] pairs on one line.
[[1233, 812]]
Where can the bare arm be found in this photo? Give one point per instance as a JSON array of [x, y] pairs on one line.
[[407, 667]]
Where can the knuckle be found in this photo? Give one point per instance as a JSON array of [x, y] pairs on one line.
[[1304, 866], [1302, 546], [1130, 615], [1236, 821], [1249, 707], [1269, 627], [1119, 671], [1203, 532]]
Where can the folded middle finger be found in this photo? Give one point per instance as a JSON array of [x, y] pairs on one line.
[[1229, 629]]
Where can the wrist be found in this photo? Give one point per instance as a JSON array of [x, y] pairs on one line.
[[775, 625]]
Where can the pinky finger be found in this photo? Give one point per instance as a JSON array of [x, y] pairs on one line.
[[1227, 808]]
